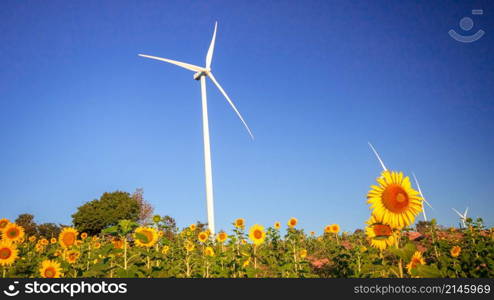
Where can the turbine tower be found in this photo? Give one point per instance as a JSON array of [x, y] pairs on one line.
[[200, 74]]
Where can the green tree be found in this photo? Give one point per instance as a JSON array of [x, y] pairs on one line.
[[27, 222], [49, 230], [96, 215]]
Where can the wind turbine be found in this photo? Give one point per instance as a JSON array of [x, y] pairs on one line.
[[200, 74], [421, 195], [463, 217]]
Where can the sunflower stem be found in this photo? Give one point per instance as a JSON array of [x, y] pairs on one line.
[[125, 253], [255, 259], [148, 262], [88, 257], [400, 267]]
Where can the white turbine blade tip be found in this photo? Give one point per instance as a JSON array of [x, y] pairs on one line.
[[211, 76], [378, 157], [420, 191], [209, 55], [175, 62]]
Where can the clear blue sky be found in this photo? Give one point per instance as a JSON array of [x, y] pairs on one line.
[[82, 114]]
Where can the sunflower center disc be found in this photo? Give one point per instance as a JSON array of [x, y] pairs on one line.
[[50, 273], [401, 197], [257, 234], [148, 235], [5, 253], [395, 198], [382, 230], [69, 238]]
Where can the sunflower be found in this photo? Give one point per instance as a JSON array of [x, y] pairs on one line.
[[394, 201], [303, 253], [3, 223], [96, 245], [277, 225], [292, 222], [43, 242], [83, 235], [335, 228], [380, 235], [53, 240], [145, 236], [312, 233], [95, 238], [189, 246], [239, 223], [192, 227], [209, 252], [57, 253], [39, 248], [13, 232], [257, 234], [72, 256], [222, 236], [156, 218], [202, 236], [246, 263], [327, 229], [8, 253], [32, 238], [416, 260], [165, 250], [67, 237], [117, 243], [455, 251], [50, 269]]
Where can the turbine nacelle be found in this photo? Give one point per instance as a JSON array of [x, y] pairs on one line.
[[198, 75]]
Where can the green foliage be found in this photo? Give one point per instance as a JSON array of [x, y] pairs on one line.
[[96, 215], [27, 221], [49, 230]]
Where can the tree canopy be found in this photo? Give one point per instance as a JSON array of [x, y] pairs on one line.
[[96, 215]]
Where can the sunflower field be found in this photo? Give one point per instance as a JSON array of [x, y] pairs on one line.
[[388, 247]]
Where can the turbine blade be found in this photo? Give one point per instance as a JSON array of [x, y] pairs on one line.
[[177, 63], [378, 157], [209, 56], [420, 191], [423, 212], [458, 213], [210, 75], [466, 211]]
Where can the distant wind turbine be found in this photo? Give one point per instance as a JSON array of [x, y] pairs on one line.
[[463, 217], [201, 74]]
